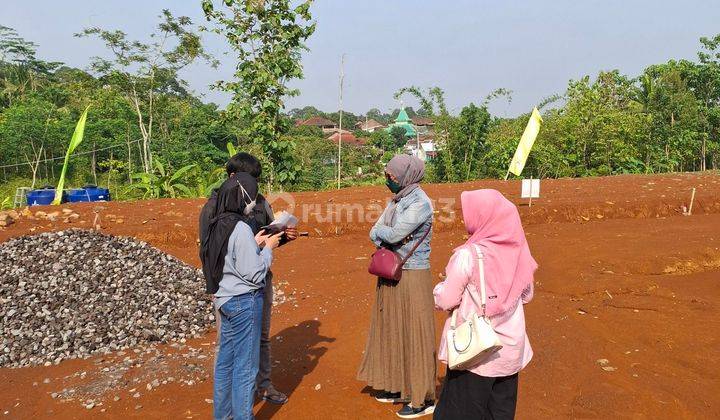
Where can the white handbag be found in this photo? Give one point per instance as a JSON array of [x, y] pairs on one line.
[[475, 339]]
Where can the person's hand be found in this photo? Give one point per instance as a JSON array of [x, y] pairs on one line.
[[261, 237], [273, 241], [291, 233]]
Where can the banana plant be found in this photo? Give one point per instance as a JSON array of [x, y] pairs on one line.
[[232, 151], [161, 183], [75, 140], [205, 182]]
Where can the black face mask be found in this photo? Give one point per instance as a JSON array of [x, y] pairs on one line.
[[393, 186]]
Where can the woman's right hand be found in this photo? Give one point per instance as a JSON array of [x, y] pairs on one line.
[[261, 237], [273, 241]]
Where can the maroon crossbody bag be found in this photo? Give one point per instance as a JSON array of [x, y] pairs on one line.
[[388, 264]]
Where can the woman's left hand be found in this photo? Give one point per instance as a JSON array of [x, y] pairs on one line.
[[291, 233]]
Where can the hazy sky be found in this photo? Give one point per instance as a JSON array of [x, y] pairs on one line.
[[466, 47]]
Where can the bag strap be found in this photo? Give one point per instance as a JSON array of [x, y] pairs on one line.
[[415, 247], [471, 290], [481, 268]]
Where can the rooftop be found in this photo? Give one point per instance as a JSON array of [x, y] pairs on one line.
[[347, 138], [317, 122]]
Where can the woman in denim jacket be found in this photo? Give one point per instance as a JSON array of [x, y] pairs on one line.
[[399, 360]]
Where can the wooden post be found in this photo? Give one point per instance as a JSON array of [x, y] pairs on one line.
[[129, 168], [94, 163], [692, 200], [531, 193], [110, 169], [47, 176]]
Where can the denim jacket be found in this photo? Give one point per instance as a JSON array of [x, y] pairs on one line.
[[413, 216]]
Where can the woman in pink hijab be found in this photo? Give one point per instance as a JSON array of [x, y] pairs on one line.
[[489, 389]]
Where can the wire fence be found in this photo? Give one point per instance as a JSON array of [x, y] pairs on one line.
[[89, 152]]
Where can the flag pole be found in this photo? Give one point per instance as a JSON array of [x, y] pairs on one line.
[[342, 76]]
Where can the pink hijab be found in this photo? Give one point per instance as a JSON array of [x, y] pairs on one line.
[[494, 224]]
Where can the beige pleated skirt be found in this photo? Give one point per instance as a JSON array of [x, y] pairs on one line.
[[400, 351]]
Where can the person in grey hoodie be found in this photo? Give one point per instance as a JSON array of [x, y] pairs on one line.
[[235, 266]]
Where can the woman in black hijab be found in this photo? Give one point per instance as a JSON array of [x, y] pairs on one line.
[[235, 268]]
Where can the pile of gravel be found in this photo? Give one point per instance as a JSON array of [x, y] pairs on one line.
[[74, 293]]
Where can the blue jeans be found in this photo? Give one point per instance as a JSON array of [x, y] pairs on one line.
[[237, 361]]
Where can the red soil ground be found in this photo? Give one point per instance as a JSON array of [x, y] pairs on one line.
[[623, 276]]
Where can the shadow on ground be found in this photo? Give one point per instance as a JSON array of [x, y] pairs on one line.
[[298, 353]]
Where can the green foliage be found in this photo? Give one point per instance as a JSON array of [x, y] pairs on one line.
[[267, 37], [467, 140], [36, 122], [435, 97], [162, 183], [232, 151], [142, 71], [398, 136], [665, 119], [317, 158], [204, 181], [384, 140]]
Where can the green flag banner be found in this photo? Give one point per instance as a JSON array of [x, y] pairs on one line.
[[76, 139]]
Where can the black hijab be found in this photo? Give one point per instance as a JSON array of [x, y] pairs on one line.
[[228, 212]]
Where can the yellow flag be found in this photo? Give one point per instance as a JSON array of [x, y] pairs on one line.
[[526, 143]]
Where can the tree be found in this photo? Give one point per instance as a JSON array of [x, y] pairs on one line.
[[384, 140], [305, 113], [673, 116], [31, 127], [377, 115], [21, 70], [473, 124], [399, 136], [435, 97], [142, 71], [706, 82], [267, 37]]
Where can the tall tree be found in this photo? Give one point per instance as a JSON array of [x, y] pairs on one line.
[[144, 70], [20, 70], [707, 89], [268, 37]]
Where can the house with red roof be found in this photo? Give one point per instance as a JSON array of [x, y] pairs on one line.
[[323, 123], [348, 138]]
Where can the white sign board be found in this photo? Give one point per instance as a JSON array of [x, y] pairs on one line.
[[530, 188]]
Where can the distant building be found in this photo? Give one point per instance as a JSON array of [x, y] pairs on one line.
[[423, 125], [326, 125], [369, 125], [348, 138], [427, 149], [404, 122]]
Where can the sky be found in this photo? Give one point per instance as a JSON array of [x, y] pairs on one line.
[[466, 47]]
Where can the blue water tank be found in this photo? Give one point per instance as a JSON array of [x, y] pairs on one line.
[[88, 193], [42, 196]]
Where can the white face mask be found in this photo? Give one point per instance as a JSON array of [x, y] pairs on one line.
[[248, 206]]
